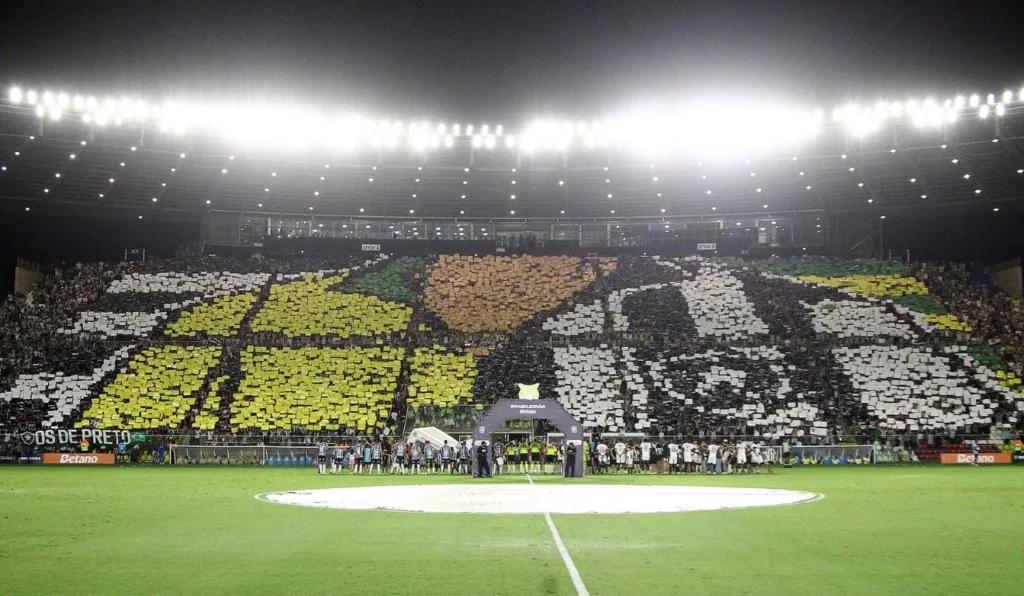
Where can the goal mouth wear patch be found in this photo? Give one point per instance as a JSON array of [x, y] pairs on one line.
[[539, 498]]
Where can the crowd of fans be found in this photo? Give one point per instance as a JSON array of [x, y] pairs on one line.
[[310, 346], [997, 318]]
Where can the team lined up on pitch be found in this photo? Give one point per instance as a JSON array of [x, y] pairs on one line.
[[537, 457]]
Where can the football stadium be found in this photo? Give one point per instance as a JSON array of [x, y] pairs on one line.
[[711, 343]]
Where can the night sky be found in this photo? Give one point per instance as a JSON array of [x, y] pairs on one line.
[[503, 61]]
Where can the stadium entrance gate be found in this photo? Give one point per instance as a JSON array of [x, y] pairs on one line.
[[528, 409]]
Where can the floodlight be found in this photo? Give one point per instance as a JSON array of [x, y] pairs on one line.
[[510, 141], [15, 95], [974, 101], [489, 142], [477, 141], [48, 98], [1007, 96], [40, 111], [469, 129], [983, 112], [63, 101], [55, 113], [499, 130], [31, 97], [991, 99], [1000, 109]]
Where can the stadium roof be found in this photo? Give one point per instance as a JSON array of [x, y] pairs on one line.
[[60, 150]]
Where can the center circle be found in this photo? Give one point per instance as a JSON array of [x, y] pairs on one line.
[[539, 498]]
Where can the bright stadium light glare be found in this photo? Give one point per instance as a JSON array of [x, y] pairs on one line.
[[1000, 109], [959, 102], [510, 141], [983, 112], [15, 95], [477, 141], [1007, 96], [78, 103], [63, 101], [31, 97], [41, 111], [974, 101]]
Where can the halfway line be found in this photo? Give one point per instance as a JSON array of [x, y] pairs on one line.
[[577, 581]]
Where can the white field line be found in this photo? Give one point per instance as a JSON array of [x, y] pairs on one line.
[[581, 590]]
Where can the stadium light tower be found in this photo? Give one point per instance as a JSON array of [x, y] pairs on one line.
[[15, 95]]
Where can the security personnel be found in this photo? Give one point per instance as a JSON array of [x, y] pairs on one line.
[[570, 459], [482, 464]]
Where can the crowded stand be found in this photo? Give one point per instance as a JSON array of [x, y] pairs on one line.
[[995, 317], [810, 350]]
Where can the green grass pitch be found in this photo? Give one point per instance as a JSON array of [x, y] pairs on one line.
[[879, 530]]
